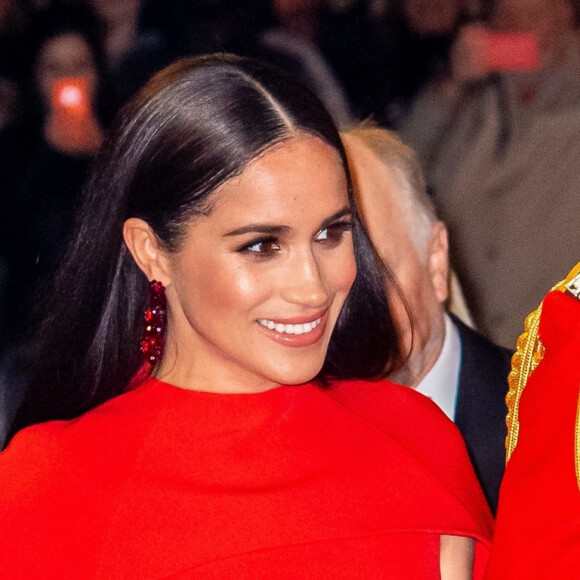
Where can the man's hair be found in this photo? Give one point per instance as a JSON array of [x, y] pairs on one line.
[[418, 208]]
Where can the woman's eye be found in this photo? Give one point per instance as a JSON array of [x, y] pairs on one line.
[[333, 234], [261, 247]]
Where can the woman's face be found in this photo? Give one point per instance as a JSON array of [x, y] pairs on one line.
[[67, 55], [255, 292]]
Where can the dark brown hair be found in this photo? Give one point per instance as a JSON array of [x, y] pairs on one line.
[[195, 125]]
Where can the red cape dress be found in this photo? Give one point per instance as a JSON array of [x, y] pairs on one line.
[[358, 480]]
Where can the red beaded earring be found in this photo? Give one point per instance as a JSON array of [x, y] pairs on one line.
[[155, 319]]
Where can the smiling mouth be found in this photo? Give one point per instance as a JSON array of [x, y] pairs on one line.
[[290, 328]]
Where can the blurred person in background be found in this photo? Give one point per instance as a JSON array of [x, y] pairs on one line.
[[203, 26], [499, 139], [294, 42], [44, 160], [135, 49], [455, 366], [13, 19], [415, 37]]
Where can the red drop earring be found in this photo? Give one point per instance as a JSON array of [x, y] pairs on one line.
[[155, 320]]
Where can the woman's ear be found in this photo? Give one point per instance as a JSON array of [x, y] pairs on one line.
[[146, 250]]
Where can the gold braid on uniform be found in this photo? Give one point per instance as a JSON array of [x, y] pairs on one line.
[[529, 353]]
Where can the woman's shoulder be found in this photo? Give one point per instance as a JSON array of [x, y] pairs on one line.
[[59, 475], [406, 416], [415, 423], [390, 403], [98, 442]]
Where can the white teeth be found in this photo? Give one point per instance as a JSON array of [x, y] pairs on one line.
[[290, 328]]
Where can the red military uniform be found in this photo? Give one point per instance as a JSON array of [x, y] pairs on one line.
[[538, 523]]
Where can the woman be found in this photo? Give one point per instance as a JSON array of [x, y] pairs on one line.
[[224, 184]]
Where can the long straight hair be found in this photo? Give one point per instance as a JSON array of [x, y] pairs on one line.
[[195, 125]]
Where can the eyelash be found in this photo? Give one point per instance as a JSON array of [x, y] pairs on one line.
[[338, 228]]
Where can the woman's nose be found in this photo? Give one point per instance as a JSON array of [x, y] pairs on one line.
[[304, 282]]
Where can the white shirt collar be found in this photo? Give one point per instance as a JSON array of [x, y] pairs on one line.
[[441, 383]]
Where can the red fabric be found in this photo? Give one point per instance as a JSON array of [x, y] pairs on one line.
[[357, 481], [538, 521]]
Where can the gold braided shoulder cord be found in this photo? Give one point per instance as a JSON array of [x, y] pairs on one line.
[[529, 353]]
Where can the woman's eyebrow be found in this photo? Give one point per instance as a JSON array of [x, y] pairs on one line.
[[258, 229], [278, 230], [344, 212]]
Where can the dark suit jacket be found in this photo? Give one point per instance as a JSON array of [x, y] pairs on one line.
[[481, 409]]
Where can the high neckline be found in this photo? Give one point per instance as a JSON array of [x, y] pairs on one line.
[[156, 384]]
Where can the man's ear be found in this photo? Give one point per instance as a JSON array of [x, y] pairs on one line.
[[146, 250], [439, 261]]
